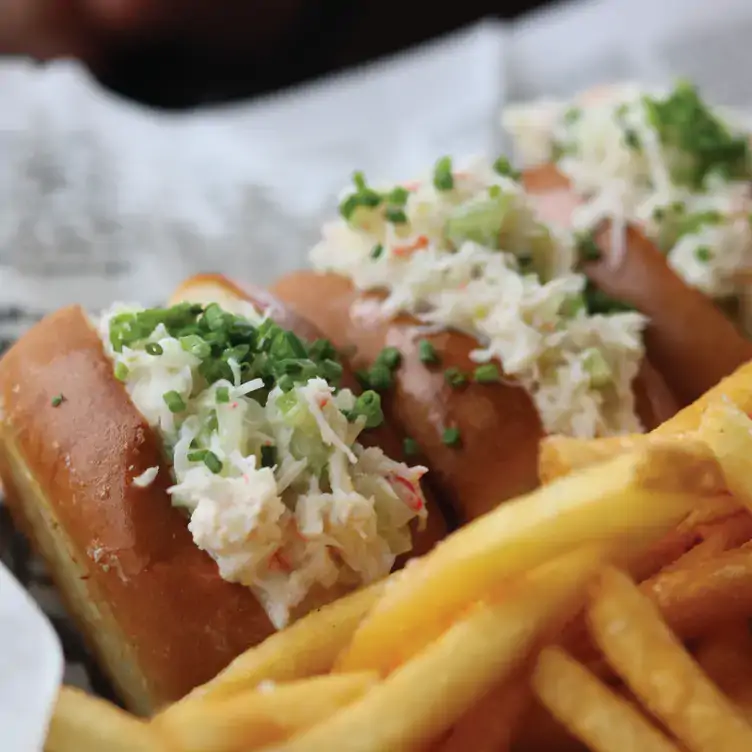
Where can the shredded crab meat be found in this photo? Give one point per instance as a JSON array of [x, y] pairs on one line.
[[323, 511], [481, 262]]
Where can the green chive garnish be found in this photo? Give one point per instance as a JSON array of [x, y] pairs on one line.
[[153, 348], [390, 357], [587, 248], [398, 196], [443, 179], [427, 352], [195, 345], [488, 373], [368, 404], [57, 400], [268, 455], [451, 437], [703, 254], [503, 166], [121, 371], [395, 215], [208, 458], [174, 401], [377, 251], [454, 377], [410, 447], [379, 377], [213, 462], [222, 395]]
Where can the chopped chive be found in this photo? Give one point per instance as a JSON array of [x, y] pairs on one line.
[[454, 377], [395, 215], [222, 395], [488, 373], [214, 317], [362, 376], [390, 357], [443, 179], [174, 401], [285, 383], [368, 405], [195, 345], [494, 191], [213, 462], [398, 196], [377, 251], [503, 166], [703, 254], [632, 140], [359, 179], [410, 447], [587, 248], [121, 371], [268, 455], [154, 348], [197, 456], [451, 437], [659, 214], [58, 400], [427, 352], [332, 371], [379, 377]]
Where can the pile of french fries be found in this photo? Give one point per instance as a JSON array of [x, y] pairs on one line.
[[608, 610]]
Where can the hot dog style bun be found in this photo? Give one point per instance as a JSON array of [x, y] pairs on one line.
[[147, 459], [216, 288], [661, 180], [453, 272]]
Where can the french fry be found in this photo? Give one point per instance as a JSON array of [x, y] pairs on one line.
[[561, 455], [307, 648], [736, 388], [659, 671], [490, 724], [590, 710], [81, 722], [428, 694], [632, 495], [694, 600], [248, 720], [726, 657], [728, 432]]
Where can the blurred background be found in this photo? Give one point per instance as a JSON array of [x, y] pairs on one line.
[[142, 141], [181, 53]]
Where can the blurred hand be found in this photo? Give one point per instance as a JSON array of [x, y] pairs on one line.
[[46, 29]]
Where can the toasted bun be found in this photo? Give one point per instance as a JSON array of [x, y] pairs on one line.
[[689, 340], [151, 603], [216, 288]]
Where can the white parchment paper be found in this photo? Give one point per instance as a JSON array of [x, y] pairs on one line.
[[31, 667]]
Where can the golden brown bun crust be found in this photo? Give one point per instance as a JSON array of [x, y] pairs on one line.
[[182, 621], [689, 340], [498, 423], [207, 287]]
